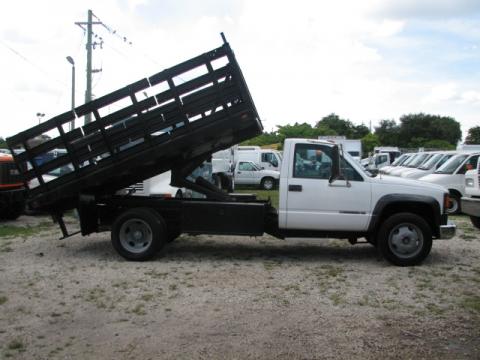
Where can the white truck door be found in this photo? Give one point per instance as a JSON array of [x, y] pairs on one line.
[[269, 161], [245, 173], [315, 204]]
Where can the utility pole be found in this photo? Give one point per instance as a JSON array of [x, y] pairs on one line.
[[90, 46], [88, 91]]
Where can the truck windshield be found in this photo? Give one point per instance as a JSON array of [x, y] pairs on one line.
[[418, 160], [451, 165], [400, 160], [435, 160], [410, 159]]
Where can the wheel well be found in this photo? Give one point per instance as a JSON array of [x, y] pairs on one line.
[[455, 192], [421, 209]]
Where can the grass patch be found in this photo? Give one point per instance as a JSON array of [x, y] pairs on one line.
[[471, 303], [16, 344], [7, 231], [261, 194]]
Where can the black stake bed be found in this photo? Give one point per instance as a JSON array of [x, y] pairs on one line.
[[172, 119]]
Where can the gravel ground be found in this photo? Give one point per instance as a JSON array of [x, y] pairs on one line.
[[234, 297]]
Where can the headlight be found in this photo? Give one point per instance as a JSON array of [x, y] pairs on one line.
[[469, 183]]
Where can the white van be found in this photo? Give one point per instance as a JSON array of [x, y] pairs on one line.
[[267, 159], [451, 175]]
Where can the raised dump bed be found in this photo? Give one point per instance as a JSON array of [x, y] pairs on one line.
[[172, 120]]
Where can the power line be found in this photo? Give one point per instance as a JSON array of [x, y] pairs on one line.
[[24, 58]]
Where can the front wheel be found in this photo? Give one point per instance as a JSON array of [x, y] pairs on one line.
[[404, 239], [454, 207], [267, 183], [138, 234], [475, 221]]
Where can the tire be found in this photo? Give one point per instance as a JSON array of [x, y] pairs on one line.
[[409, 248], [13, 211], [138, 234], [267, 183], [455, 205], [475, 221], [173, 234]]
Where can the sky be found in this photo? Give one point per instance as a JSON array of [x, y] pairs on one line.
[[363, 60]]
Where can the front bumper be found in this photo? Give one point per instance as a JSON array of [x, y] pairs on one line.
[[447, 231], [471, 206]]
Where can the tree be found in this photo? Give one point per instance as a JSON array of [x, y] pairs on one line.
[[369, 142], [338, 125], [473, 136], [360, 131], [388, 133], [3, 143], [414, 127], [266, 138], [438, 145]]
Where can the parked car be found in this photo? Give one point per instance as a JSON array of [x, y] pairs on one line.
[[249, 173], [451, 175]]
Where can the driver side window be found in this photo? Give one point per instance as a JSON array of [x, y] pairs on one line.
[[245, 166], [312, 161], [315, 162]]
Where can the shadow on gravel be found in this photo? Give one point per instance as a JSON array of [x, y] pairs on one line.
[[285, 251], [189, 249]]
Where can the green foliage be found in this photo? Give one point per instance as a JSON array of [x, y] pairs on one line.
[[369, 142], [360, 131], [388, 132], [420, 130], [3, 143], [473, 136], [417, 129], [438, 144], [303, 131], [337, 124], [264, 139]]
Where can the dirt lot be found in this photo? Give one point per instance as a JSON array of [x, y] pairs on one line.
[[223, 297]]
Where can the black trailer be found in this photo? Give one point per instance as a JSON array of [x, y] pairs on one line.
[[173, 120]]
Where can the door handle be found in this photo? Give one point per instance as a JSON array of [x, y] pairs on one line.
[[297, 188]]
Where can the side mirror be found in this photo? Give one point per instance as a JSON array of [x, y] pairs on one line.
[[335, 169]]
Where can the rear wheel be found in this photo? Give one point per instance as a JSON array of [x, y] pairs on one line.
[[267, 183], [475, 221], [138, 234], [404, 239]]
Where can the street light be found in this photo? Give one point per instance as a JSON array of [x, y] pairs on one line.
[[70, 60], [40, 116]]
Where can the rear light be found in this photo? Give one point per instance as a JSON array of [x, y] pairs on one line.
[[446, 202]]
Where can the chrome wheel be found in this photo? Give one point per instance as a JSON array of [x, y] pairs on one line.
[[268, 184], [135, 235], [405, 240], [454, 205]]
